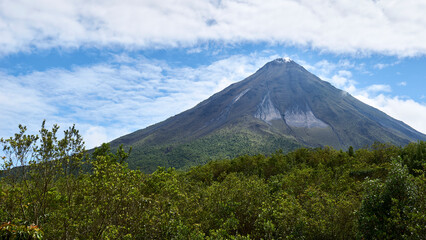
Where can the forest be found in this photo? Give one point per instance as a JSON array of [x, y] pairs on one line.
[[52, 188]]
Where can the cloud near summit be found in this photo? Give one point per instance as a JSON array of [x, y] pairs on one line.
[[363, 26]]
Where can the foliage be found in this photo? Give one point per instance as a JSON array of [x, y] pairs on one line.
[[223, 144], [392, 209], [20, 232], [51, 188]]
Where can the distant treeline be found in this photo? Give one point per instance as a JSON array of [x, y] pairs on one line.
[[61, 192]]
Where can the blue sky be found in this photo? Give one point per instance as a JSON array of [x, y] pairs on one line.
[[113, 67]]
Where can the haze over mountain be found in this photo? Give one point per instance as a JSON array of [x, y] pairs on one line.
[[281, 106]]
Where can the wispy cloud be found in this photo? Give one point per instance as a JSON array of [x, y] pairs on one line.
[[111, 99], [375, 88], [385, 65], [359, 27]]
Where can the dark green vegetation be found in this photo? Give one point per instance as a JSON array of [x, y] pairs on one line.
[[224, 144], [321, 193], [280, 106]]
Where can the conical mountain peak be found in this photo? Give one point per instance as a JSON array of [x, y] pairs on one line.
[[282, 105], [283, 60], [282, 68]]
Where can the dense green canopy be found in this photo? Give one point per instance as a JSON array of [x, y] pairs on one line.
[[50, 188]]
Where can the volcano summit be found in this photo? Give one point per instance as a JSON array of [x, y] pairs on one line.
[[281, 106]]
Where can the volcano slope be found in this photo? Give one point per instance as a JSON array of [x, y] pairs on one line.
[[281, 106]]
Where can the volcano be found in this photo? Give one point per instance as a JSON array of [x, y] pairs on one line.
[[281, 106]]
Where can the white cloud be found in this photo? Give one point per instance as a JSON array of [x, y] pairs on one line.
[[381, 66], [336, 74], [403, 84], [95, 135], [406, 110], [342, 79], [108, 100], [377, 95], [364, 26], [375, 88]]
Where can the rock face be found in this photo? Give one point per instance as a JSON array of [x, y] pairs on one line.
[[303, 119], [281, 101], [267, 111]]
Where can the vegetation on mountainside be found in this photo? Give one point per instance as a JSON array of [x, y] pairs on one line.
[[224, 144], [59, 191]]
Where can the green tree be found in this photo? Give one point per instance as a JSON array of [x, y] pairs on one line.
[[351, 151], [18, 153], [386, 207], [33, 164]]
